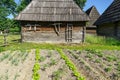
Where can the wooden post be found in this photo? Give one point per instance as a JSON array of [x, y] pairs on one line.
[[83, 34], [21, 40], [5, 39]]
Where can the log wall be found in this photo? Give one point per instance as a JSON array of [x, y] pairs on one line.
[[109, 29], [46, 33]]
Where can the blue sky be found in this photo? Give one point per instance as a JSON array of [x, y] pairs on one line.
[[101, 5]]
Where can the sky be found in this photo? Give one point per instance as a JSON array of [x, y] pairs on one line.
[[101, 5]]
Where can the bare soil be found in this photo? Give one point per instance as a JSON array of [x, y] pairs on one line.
[[16, 66]]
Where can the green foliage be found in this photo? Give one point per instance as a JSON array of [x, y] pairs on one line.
[[81, 3], [4, 57], [36, 67], [42, 59], [7, 7], [53, 62], [92, 39], [97, 60], [57, 74], [15, 78], [108, 69], [71, 65], [111, 58], [22, 5], [1, 49], [37, 58]]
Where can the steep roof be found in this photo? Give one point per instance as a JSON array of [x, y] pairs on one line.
[[52, 10], [111, 14], [93, 13]]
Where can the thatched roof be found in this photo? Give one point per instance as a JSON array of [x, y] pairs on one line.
[[111, 14], [52, 10], [93, 13]]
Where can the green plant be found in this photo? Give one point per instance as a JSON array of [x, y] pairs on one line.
[[89, 55], [53, 62], [49, 54], [37, 58], [6, 75], [1, 49], [97, 60], [45, 66], [111, 58], [15, 61], [99, 54], [42, 59], [36, 67], [108, 69], [24, 57], [4, 57], [16, 75], [57, 74]]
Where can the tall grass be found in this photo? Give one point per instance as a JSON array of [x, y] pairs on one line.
[[93, 39]]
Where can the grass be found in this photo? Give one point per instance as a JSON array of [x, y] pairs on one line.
[[93, 39], [92, 42], [10, 39]]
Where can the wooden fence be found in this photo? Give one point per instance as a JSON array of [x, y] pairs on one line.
[[7, 39]]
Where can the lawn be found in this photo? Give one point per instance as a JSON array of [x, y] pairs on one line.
[[96, 59]]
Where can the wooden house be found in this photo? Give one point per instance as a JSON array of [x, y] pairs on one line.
[[56, 21], [109, 22], [93, 13]]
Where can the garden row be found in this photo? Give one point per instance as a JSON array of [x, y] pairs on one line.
[[55, 65], [58, 64], [96, 64]]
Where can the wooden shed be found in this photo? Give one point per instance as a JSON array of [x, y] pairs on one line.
[[93, 13], [56, 21], [109, 22]]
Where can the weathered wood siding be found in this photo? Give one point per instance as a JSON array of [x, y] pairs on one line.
[[91, 30], [46, 33], [118, 30], [106, 29], [109, 29]]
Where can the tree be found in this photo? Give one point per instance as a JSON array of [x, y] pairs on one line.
[[81, 3], [22, 5], [7, 7]]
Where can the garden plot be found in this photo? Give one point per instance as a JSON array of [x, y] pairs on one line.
[[53, 67], [16, 65], [96, 64]]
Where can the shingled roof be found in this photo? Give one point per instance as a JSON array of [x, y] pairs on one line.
[[93, 14], [111, 14], [52, 10]]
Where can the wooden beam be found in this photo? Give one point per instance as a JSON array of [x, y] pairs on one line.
[[21, 40], [57, 28], [83, 34]]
